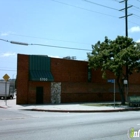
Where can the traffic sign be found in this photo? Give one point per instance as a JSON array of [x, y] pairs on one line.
[[111, 80], [6, 77]]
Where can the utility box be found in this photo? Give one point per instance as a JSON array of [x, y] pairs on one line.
[[134, 100]]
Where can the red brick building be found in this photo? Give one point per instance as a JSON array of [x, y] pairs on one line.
[[43, 80]]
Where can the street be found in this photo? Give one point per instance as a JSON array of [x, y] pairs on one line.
[[31, 125]]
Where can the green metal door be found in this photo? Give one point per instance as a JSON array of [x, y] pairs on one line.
[[39, 95]]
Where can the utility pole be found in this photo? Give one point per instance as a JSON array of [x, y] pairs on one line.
[[126, 16], [126, 31]]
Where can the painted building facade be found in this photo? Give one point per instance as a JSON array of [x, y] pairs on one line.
[[45, 80]]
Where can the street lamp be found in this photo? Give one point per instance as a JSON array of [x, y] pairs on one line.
[[61, 47], [19, 43], [15, 42]]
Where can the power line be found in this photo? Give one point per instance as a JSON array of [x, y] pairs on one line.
[[101, 5], [61, 47], [137, 16], [116, 0], [48, 38], [136, 7], [52, 46], [89, 10], [132, 22], [84, 9], [7, 70], [131, 6], [4, 40]]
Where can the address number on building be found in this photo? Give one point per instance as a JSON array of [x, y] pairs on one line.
[[43, 79]]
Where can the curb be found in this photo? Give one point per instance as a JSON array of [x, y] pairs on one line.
[[3, 107], [86, 111]]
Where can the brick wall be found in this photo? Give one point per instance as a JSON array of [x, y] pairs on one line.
[[75, 87], [68, 70], [32, 92], [22, 79], [87, 92]]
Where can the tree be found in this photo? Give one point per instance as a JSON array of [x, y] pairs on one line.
[[114, 56]]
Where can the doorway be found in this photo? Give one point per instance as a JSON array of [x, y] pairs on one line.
[[39, 95]]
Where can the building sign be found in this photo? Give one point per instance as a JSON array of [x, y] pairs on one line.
[[43, 79]]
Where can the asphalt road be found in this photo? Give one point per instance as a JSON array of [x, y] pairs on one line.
[[30, 125]]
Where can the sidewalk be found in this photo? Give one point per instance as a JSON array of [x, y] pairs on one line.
[[77, 107]]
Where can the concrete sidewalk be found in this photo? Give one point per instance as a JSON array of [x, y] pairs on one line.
[[77, 107]]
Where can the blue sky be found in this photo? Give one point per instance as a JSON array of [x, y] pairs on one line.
[[66, 23]]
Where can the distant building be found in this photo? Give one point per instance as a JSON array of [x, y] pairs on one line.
[[70, 57]]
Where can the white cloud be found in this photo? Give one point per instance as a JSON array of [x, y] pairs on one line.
[[54, 56], [134, 29], [138, 41], [5, 33], [8, 54]]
